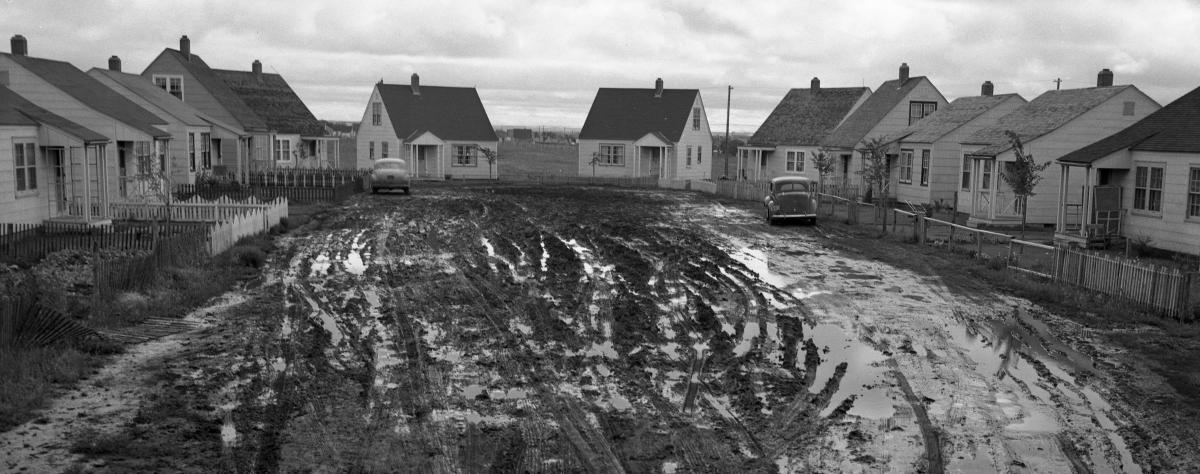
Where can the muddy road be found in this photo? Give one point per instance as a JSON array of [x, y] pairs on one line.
[[518, 329]]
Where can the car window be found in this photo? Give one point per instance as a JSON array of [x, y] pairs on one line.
[[792, 188], [389, 165]]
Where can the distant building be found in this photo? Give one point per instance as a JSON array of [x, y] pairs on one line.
[[439, 130], [524, 134], [646, 132]]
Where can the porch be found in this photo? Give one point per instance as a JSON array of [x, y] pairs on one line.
[[1092, 216], [985, 201], [752, 163]]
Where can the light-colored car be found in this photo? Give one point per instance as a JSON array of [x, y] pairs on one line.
[[791, 197], [390, 173]]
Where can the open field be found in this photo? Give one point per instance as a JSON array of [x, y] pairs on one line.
[[528, 158], [565, 329]]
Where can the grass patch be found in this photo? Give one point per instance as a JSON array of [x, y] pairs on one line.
[[29, 378]]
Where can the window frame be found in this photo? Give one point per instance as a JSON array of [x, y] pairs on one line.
[[927, 108], [191, 151], [282, 152], [206, 150], [688, 162], [465, 156], [25, 171], [371, 150], [965, 173], [1192, 205], [169, 80], [383, 149], [699, 153], [794, 161], [696, 111], [985, 175], [613, 156], [1144, 190], [376, 114], [925, 167], [906, 167]]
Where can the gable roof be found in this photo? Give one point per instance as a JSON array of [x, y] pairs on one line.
[[220, 91], [1042, 115], [875, 108], [450, 113], [1174, 128], [807, 116], [88, 90], [145, 89], [271, 98], [951, 117], [16, 110], [629, 114]]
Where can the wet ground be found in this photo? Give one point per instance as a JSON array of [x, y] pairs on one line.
[[517, 329]]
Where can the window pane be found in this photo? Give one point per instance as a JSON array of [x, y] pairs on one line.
[[1139, 178], [32, 182], [20, 180], [1156, 178]]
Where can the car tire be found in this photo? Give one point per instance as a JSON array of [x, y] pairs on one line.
[[406, 191], [374, 190]]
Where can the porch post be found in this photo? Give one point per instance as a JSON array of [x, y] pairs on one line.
[[1061, 226], [1087, 197]]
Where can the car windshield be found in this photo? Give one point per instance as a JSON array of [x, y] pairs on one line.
[[389, 165], [791, 188]]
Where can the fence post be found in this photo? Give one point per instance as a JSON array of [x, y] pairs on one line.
[[978, 244]]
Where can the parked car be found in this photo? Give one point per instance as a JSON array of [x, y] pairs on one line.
[[390, 173], [791, 197]]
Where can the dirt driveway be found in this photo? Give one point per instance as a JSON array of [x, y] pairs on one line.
[[517, 329]]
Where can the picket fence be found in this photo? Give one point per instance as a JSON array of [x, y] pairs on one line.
[[194, 209], [294, 194], [299, 177]]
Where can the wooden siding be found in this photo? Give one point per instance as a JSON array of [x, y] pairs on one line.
[[193, 92], [894, 121], [675, 158], [378, 134], [694, 138], [1172, 229], [587, 147], [30, 208]]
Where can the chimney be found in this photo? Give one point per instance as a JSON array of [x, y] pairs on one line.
[[19, 46], [903, 73], [185, 47], [816, 84], [987, 89], [256, 68], [114, 63], [1105, 78], [416, 84], [658, 87]]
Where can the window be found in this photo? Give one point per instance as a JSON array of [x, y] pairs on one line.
[[160, 153], [1193, 202], [1147, 188], [283, 150], [920, 110], [795, 161], [25, 167], [144, 158], [191, 152], [699, 152], [172, 84], [985, 175], [383, 149], [206, 150], [924, 167], [688, 163], [906, 166], [376, 114], [612, 155], [966, 174], [696, 118], [1128, 108], [371, 150], [466, 155]]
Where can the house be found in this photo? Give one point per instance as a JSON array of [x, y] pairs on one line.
[[115, 172], [791, 136], [298, 139], [441, 131], [1050, 126], [895, 105], [1141, 183], [194, 136], [646, 132], [929, 167], [39, 147]]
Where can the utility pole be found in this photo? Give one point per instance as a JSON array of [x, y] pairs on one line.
[[1058, 83], [728, 96]]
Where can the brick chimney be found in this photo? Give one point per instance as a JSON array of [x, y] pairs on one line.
[[1105, 78], [816, 84], [185, 47], [987, 89], [20, 47], [416, 84], [903, 73], [256, 68], [114, 63], [658, 87]]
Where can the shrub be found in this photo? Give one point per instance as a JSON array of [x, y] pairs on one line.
[[249, 256]]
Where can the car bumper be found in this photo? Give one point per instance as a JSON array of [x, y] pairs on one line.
[[793, 215], [390, 183]]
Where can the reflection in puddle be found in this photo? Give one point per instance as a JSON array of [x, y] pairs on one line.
[[229, 432], [865, 372]]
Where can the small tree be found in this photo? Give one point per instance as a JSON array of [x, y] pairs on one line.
[[490, 155], [825, 163], [594, 161], [1022, 176], [876, 170]]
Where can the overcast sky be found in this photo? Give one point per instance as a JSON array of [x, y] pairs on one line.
[[539, 62]]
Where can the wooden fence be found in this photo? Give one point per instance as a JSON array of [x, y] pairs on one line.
[[628, 182], [324, 178], [194, 209], [294, 194], [135, 273], [29, 243]]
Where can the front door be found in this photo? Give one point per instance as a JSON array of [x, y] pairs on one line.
[[982, 199], [123, 154], [58, 189]]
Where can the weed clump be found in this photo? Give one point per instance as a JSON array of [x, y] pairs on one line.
[[249, 256]]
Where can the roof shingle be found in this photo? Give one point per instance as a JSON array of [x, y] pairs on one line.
[[950, 118], [271, 98], [451, 113], [630, 114], [1040, 116], [220, 91], [807, 116], [145, 89], [16, 110], [1174, 128], [856, 127]]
